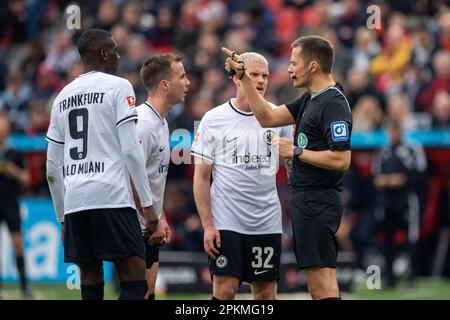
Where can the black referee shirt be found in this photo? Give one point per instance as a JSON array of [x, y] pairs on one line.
[[323, 122], [10, 188]]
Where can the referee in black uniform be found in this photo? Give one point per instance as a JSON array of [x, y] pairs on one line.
[[321, 153]]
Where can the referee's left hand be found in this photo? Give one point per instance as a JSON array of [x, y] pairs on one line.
[[284, 147]]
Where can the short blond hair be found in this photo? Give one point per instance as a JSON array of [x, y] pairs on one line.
[[248, 57]]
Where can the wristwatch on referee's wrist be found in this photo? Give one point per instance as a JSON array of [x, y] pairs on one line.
[[298, 151]]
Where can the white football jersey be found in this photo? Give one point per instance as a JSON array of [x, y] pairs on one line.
[[244, 195], [153, 133], [84, 118]]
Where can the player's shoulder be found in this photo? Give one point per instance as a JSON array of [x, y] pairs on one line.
[[113, 80], [216, 113]]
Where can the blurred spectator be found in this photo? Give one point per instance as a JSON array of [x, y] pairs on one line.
[[444, 31], [359, 84], [13, 22], [213, 16], [107, 15], [208, 54], [63, 54], [314, 15], [14, 100], [367, 114], [47, 81], [397, 171], [188, 24], [440, 81], [131, 18], [39, 118], [441, 111], [34, 56], [120, 34], [161, 35], [350, 18], [365, 49], [389, 66], [399, 109], [342, 55], [136, 52]]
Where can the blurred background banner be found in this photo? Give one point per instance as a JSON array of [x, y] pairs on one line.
[[44, 254]]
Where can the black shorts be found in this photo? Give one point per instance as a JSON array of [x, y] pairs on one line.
[[151, 253], [102, 234], [10, 213], [250, 258], [316, 216]]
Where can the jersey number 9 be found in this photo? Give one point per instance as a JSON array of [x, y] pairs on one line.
[[76, 133]]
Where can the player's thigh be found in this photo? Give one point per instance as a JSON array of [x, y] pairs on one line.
[[130, 268], [262, 254], [230, 260], [91, 272], [11, 214], [264, 290], [225, 287], [117, 234]]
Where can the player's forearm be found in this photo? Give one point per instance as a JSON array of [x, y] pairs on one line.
[[327, 159], [21, 175], [258, 104], [55, 179], [135, 162], [202, 196]]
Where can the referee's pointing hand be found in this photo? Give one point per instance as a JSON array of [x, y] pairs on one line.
[[233, 62]]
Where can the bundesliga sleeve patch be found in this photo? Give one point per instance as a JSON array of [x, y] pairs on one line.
[[339, 131], [130, 100]]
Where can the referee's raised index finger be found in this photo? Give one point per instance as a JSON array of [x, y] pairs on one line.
[[227, 52]]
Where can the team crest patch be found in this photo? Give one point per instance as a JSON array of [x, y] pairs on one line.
[[339, 131], [221, 261], [302, 140], [130, 100], [268, 136]]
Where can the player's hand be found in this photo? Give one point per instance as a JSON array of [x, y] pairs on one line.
[[234, 64], [211, 241], [162, 233], [151, 221], [284, 146]]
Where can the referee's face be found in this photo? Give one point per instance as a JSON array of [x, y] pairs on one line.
[[259, 72], [298, 69]]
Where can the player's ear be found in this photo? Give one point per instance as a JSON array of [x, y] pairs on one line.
[[103, 53], [314, 67]]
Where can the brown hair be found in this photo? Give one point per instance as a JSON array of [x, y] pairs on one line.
[[316, 48], [157, 68]]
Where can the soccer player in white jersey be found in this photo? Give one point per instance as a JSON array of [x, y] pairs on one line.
[[240, 210], [165, 79], [93, 150]]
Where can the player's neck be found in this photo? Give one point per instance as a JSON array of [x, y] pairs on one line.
[[160, 105], [320, 83], [90, 68], [242, 104]]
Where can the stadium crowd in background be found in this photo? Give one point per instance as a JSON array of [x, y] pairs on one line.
[[400, 71]]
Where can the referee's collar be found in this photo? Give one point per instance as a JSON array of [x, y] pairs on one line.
[[337, 85], [249, 114]]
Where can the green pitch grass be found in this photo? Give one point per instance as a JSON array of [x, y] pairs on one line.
[[424, 289]]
